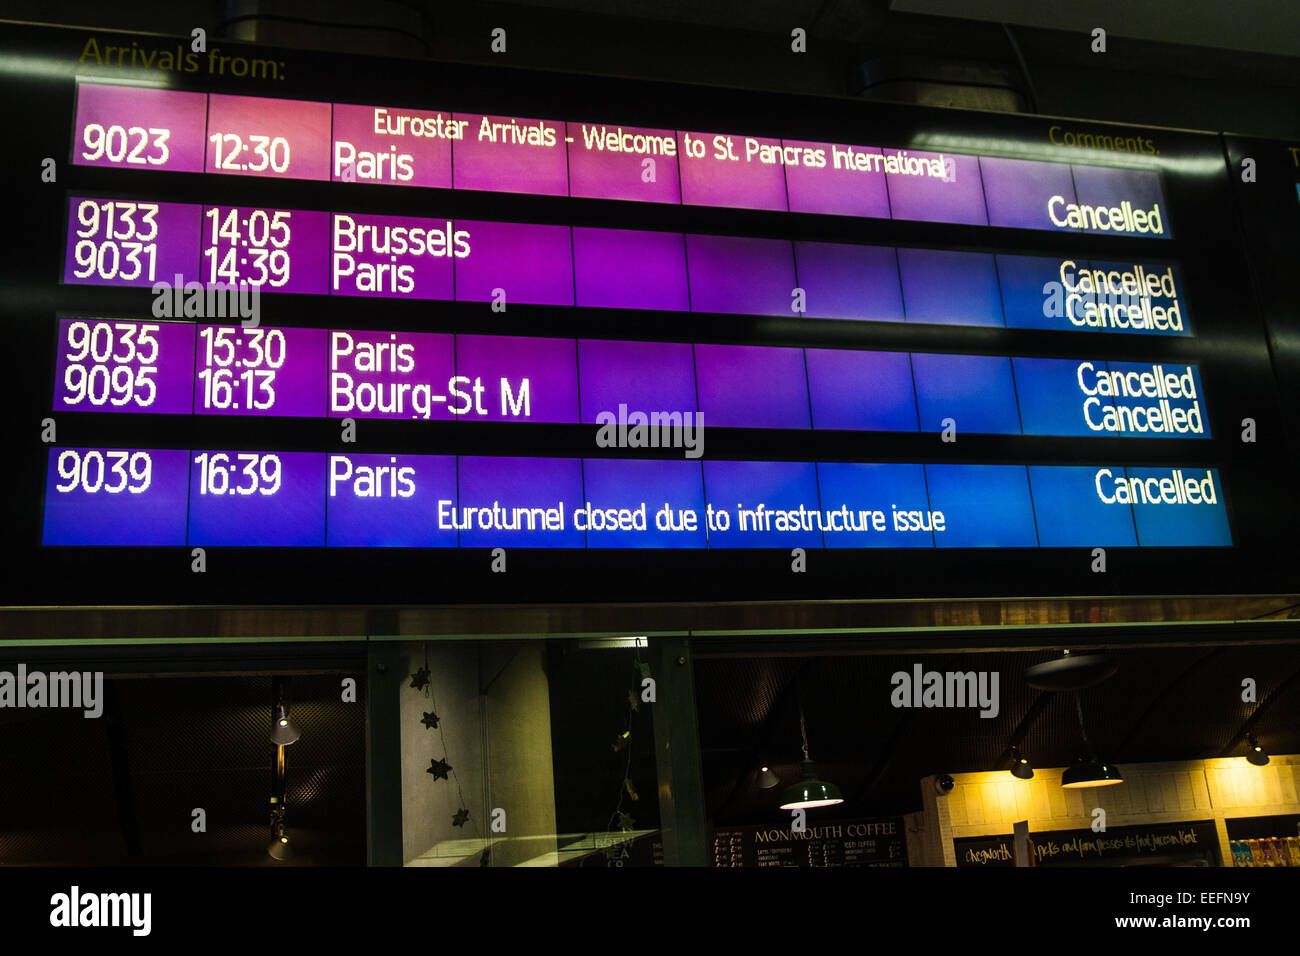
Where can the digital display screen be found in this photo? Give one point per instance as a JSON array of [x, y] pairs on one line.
[[178, 368], [730, 328], [141, 128], [120, 242], [289, 499]]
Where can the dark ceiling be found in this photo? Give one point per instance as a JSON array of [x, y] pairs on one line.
[[120, 789], [1178, 703], [1170, 68]]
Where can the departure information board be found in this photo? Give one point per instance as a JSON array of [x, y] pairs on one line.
[[294, 339]]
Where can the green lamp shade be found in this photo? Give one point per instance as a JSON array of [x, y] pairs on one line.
[[1090, 771], [810, 792]]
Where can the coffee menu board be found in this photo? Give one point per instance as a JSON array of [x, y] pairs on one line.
[[442, 332], [1194, 843], [875, 842]]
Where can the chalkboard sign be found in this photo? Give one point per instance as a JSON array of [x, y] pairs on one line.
[[875, 842], [1168, 843]]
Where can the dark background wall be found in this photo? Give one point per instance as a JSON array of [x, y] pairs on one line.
[[1220, 67]]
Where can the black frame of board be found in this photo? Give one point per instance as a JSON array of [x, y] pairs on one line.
[[1229, 344]]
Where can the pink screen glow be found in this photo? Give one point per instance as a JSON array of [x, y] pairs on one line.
[[252, 136]]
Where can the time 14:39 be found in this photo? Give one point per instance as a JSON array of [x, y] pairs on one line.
[[248, 473]]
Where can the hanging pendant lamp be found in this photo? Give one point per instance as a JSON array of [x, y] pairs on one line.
[[810, 791]]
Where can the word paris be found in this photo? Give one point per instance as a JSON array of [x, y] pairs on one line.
[[76, 909], [657, 430], [59, 689], [946, 689]]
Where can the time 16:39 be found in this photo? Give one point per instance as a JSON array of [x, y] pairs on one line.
[[247, 474]]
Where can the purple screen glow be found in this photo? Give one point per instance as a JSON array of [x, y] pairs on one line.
[[623, 162], [114, 366], [407, 147], [511, 155], [133, 127], [258, 136], [118, 242], [128, 497]]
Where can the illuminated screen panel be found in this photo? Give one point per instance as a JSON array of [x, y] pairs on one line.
[[975, 392], [410, 375], [119, 497], [508, 154], [870, 391], [135, 497], [125, 366], [555, 294], [120, 242], [612, 162], [392, 256], [750, 386], [1071, 514], [842, 281], [983, 506], [875, 506], [174, 368], [240, 371], [145, 128], [524, 502], [257, 499], [643, 504], [364, 146], [131, 127], [516, 377], [950, 288], [260, 136], [389, 501], [619, 378]]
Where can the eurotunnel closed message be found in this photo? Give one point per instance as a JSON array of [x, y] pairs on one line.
[[100, 496]]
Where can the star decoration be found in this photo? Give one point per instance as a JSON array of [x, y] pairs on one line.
[[459, 818], [439, 768], [625, 821], [633, 701], [420, 679], [429, 720]]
